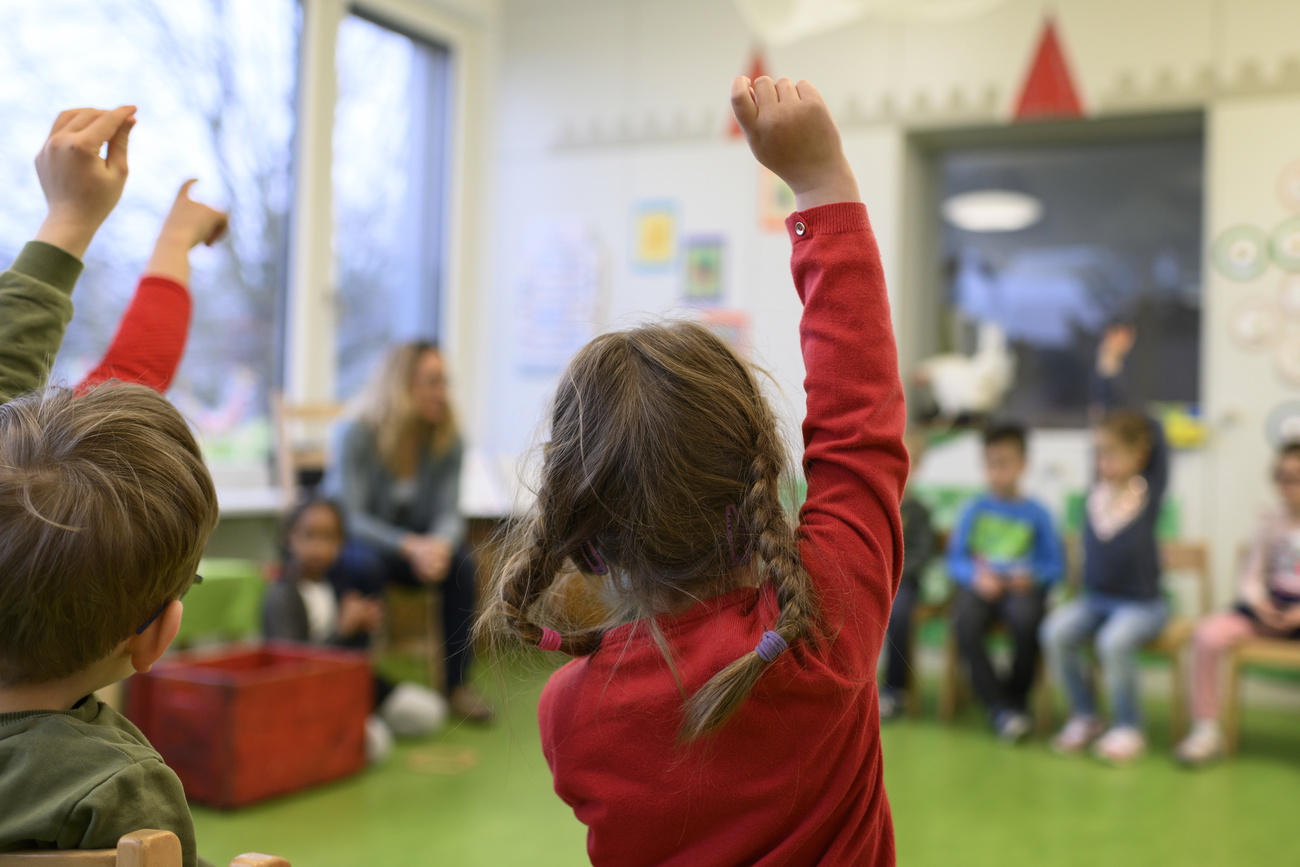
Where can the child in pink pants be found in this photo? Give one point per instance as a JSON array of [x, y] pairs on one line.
[[1269, 606]]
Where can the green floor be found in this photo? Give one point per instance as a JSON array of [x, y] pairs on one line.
[[473, 796]]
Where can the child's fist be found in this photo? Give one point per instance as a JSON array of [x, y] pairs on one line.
[[192, 223], [81, 187], [790, 131]]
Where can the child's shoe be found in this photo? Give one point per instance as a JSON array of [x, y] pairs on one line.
[[891, 706], [412, 710], [1011, 726], [1203, 745], [379, 740], [1121, 745], [1078, 732]]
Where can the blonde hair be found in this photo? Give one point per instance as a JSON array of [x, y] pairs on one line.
[[385, 406], [105, 507], [660, 437]]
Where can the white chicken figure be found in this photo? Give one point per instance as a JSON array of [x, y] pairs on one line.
[[966, 386]]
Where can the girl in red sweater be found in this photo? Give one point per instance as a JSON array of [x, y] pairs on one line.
[[727, 712]]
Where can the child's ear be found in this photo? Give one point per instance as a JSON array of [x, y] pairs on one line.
[[148, 646]]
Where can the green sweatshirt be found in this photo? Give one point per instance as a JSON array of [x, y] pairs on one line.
[[35, 307], [82, 778]]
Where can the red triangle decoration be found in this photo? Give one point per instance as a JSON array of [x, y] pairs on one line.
[[1049, 90], [756, 70]]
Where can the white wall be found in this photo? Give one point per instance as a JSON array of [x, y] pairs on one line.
[[601, 103]]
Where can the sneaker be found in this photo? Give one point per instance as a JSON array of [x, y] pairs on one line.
[[469, 705], [1078, 732], [891, 706], [1012, 727], [1121, 745], [379, 740], [412, 710], [1203, 745]]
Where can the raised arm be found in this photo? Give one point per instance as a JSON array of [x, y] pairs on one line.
[[854, 458], [1108, 395], [151, 337]]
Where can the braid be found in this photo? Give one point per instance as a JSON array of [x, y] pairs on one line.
[[778, 552]]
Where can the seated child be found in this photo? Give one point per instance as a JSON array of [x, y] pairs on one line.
[[729, 713], [1269, 606], [314, 602], [918, 550], [1122, 607], [1003, 556], [105, 507]]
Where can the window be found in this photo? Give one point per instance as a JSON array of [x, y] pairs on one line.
[[1115, 235], [214, 81], [389, 169]]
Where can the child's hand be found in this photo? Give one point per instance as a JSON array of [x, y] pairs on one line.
[[429, 556], [987, 584], [81, 187], [1115, 346], [359, 615], [790, 131], [191, 223], [1020, 582]]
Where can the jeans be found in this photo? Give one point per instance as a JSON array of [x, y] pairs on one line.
[[1117, 628], [368, 571], [1023, 614]]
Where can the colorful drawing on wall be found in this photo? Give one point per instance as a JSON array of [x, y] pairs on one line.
[[1288, 186], [1184, 425], [732, 326], [559, 296], [775, 201], [1255, 325], [1285, 245], [756, 70], [654, 235], [1287, 361], [1240, 253], [1283, 425], [1049, 89], [702, 277]]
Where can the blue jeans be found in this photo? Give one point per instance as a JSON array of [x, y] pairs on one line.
[[1120, 628]]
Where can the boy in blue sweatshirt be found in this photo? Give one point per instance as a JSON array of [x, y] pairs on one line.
[[1003, 556]]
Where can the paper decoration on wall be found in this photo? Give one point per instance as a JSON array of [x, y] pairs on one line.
[[1285, 245], [1288, 186], [730, 325], [1283, 425], [775, 201], [654, 235], [1287, 361], [1255, 325], [756, 70], [1240, 253], [702, 271], [1184, 426], [559, 297], [1048, 91]]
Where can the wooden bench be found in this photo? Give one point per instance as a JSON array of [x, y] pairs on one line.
[[145, 848]]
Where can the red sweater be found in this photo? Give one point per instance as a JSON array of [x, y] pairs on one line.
[[150, 338], [795, 776]]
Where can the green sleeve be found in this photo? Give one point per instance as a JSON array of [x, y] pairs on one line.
[[35, 307], [145, 794]]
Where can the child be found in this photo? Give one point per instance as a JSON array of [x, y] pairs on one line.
[[731, 717], [918, 551], [1269, 606], [105, 507], [310, 604], [1003, 556], [1121, 607], [35, 292]]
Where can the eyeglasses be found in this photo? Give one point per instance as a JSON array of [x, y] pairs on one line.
[[198, 579]]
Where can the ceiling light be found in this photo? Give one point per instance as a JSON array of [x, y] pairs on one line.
[[992, 211]]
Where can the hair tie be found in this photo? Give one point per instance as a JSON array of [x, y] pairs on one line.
[[733, 516], [550, 639], [595, 562], [770, 646]]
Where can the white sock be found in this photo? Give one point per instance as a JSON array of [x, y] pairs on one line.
[[1206, 728]]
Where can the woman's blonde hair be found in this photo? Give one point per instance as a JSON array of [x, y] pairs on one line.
[[662, 472], [386, 405]]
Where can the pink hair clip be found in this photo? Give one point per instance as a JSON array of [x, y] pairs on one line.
[[550, 639]]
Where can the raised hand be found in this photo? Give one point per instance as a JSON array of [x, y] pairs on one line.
[[81, 187], [790, 130], [1115, 346], [193, 223]]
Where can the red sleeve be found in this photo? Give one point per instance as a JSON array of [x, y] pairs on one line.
[[150, 338], [851, 536]]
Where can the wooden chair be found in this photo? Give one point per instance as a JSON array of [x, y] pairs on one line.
[[1270, 652], [301, 443], [145, 848]]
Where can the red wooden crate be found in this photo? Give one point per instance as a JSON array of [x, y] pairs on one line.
[[248, 723]]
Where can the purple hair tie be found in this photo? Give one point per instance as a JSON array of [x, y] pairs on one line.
[[550, 639], [770, 646], [733, 526], [595, 562]]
